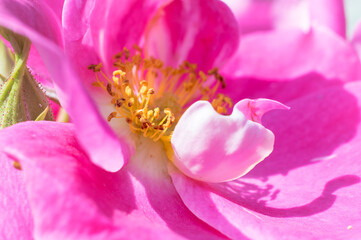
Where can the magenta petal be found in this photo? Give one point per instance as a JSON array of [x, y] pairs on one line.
[[56, 6], [98, 36], [95, 135], [118, 24], [38, 69], [202, 32], [287, 54], [16, 220], [18, 15], [215, 148], [71, 198], [309, 186]]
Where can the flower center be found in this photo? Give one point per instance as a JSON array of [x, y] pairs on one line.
[[152, 97]]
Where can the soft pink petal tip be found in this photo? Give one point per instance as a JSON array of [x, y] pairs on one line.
[[254, 109], [215, 148]]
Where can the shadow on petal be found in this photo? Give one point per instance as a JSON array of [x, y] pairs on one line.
[[317, 124], [110, 191], [249, 195]]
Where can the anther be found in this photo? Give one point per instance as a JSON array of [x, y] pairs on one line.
[[213, 71], [111, 116], [128, 120], [221, 80], [115, 80], [119, 72], [17, 165], [143, 89], [119, 103], [118, 55], [143, 83], [92, 66], [156, 113], [150, 91], [203, 76], [136, 47], [109, 89], [130, 102], [126, 53], [128, 91]]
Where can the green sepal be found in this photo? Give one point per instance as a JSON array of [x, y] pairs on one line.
[[42, 115], [7, 62], [21, 97]]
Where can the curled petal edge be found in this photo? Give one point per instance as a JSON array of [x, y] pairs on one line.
[[210, 147]]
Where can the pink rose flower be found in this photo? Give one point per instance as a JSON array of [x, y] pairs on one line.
[[71, 186]]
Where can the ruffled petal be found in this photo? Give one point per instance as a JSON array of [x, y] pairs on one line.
[[287, 54], [73, 199], [95, 135], [309, 186], [214, 148], [202, 32], [15, 216]]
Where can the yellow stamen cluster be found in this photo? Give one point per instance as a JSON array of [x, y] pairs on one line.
[[151, 97]]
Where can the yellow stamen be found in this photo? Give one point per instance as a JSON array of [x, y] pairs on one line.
[[152, 97]]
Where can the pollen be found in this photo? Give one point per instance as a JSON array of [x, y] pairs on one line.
[[151, 97]]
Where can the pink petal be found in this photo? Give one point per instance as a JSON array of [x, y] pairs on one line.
[[214, 148], [255, 16], [329, 13], [18, 15], [282, 14], [51, 30], [309, 186], [100, 29], [73, 199], [38, 68], [356, 39], [287, 54], [15, 216], [118, 24], [282, 91], [202, 32], [78, 42], [95, 135], [255, 109], [56, 6]]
